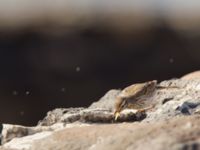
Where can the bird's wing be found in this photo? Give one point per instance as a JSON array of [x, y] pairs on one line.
[[132, 90]]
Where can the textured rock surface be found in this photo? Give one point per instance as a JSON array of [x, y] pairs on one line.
[[192, 75], [172, 124], [177, 133], [106, 102]]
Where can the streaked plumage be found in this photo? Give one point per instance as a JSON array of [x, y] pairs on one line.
[[136, 96]]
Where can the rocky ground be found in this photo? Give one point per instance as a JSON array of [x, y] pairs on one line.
[[172, 124]]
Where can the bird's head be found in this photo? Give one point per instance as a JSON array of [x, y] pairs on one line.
[[121, 104]]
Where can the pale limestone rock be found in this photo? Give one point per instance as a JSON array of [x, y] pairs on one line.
[[172, 124]]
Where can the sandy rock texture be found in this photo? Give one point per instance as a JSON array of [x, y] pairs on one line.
[[172, 124], [192, 75], [174, 134]]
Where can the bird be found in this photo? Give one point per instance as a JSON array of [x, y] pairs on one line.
[[136, 96]]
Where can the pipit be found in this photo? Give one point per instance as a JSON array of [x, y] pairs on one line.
[[137, 96]]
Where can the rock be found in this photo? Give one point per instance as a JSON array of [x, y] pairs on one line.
[[69, 115], [172, 124], [87, 115], [192, 75], [107, 101], [180, 97], [16, 131], [61, 118], [177, 133], [61, 114]]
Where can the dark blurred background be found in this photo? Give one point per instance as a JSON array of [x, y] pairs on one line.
[[70, 53]]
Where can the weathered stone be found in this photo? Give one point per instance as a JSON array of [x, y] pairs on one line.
[[180, 97], [78, 115], [16, 131], [107, 101], [177, 133], [172, 124], [192, 75], [56, 115]]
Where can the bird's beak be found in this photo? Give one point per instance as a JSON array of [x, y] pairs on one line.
[[117, 114]]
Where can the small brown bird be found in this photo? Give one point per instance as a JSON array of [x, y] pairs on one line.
[[136, 96]]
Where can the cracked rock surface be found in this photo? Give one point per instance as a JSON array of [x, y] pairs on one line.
[[172, 124]]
